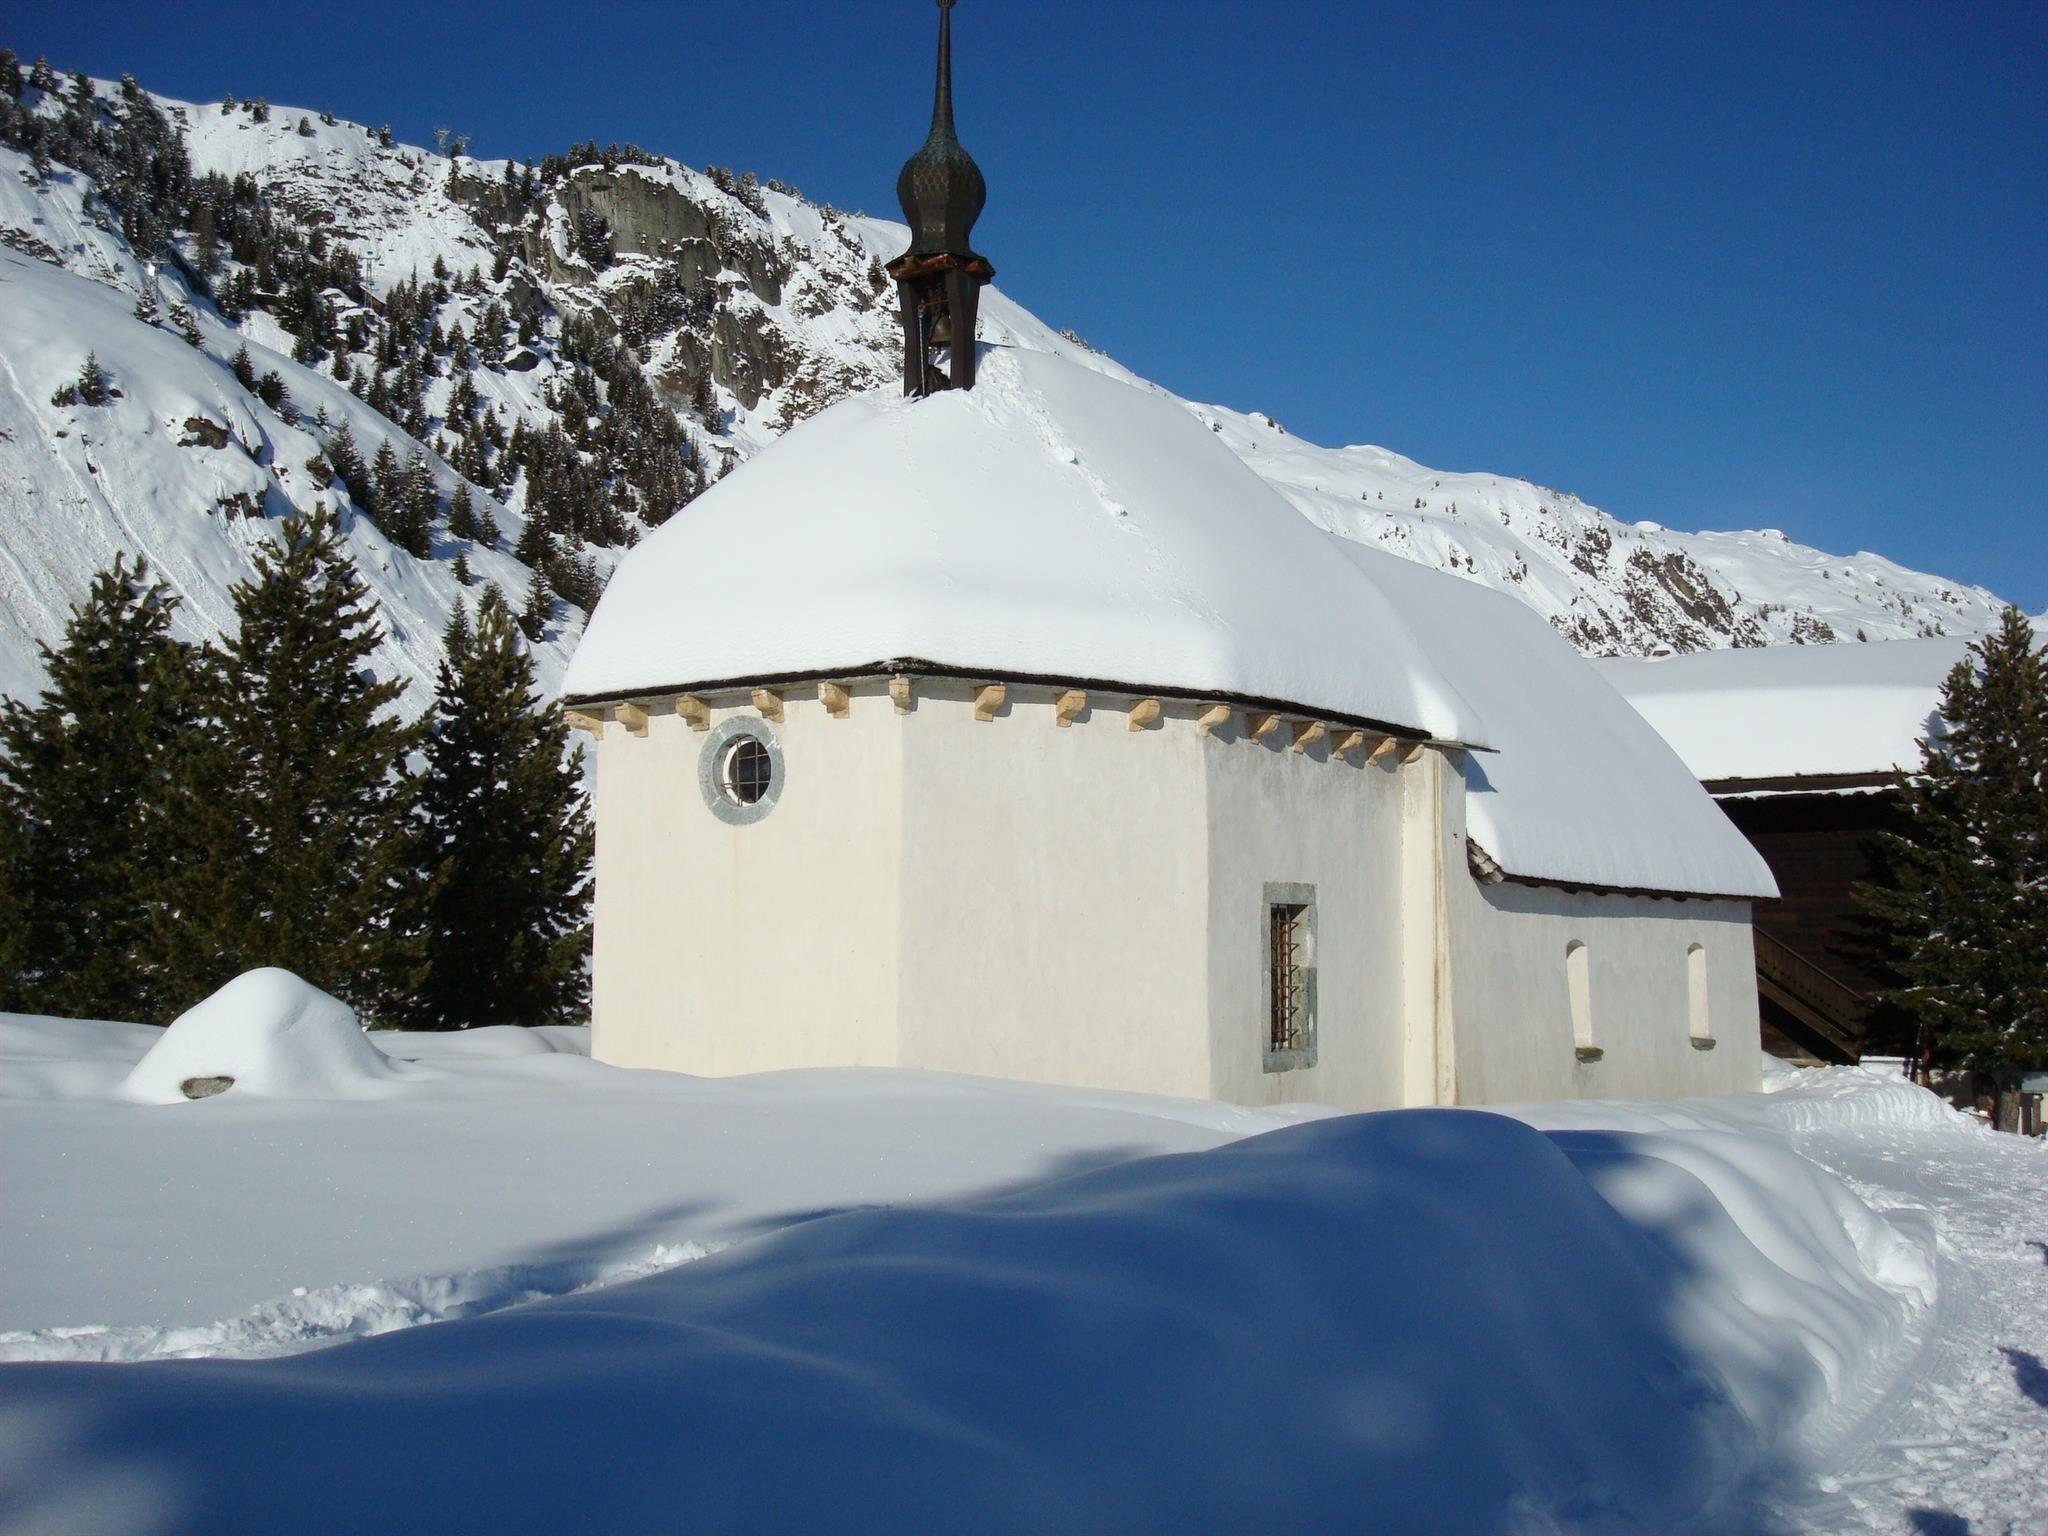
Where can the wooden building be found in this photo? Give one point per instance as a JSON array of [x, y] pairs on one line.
[[1800, 746]]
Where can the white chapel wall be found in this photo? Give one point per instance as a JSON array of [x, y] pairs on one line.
[[723, 949], [1084, 905], [1512, 977], [1275, 815], [1053, 892]]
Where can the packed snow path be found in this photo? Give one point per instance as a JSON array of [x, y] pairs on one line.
[[1967, 1451]]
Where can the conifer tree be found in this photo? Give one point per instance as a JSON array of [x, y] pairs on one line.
[[94, 387], [1963, 898], [347, 460], [504, 841], [271, 391], [462, 514], [408, 515], [146, 309], [243, 369], [487, 533], [387, 477], [80, 777], [290, 809], [539, 608]]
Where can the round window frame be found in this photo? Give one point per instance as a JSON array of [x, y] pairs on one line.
[[711, 777]]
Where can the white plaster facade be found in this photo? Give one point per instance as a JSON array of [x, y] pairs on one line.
[[945, 882], [1085, 904]]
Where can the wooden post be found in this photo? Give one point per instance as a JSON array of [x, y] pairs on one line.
[[632, 717], [579, 721], [1307, 733], [1143, 713], [1348, 743], [899, 692], [1211, 717], [1259, 726], [1068, 706], [835, 699], [769, 702], [695, 712], [988, 699]]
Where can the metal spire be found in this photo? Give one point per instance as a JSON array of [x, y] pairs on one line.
[[938, 279]]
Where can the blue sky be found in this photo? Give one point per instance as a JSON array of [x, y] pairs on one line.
[[1716, 265]]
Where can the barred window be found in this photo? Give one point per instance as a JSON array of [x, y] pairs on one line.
[[1290, 953], [740, 770], [745, 771]]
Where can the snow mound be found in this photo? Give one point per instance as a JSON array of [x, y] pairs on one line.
[[270, 1034], [1419, 1321]]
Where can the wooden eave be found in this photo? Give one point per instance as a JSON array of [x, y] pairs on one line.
[[1802, 784], [1485, 869], [878, 671]]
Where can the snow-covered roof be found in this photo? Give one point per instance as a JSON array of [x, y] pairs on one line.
[[1793, 711], [1059, 522], [1052, 522], [1580, 791]]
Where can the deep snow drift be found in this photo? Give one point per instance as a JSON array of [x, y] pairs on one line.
[[1403, 1311], [910, 1301]]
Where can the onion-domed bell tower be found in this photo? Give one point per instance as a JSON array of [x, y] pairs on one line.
[[938, 280]]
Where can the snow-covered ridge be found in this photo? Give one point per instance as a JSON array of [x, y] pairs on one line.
[[794, 321]]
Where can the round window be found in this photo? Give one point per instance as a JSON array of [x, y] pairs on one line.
[[745, 771], [740, 770]]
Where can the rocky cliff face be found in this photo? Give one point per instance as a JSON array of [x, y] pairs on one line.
[[513, 327]]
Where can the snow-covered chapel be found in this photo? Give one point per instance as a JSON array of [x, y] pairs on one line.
[[1014, 726]]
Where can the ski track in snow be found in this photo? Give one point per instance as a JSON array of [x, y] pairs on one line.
[[312, 1317], [1965, 1450]]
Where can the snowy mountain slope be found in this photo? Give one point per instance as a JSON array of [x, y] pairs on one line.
[[744, 308], [1613, 588], [181, 468]]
